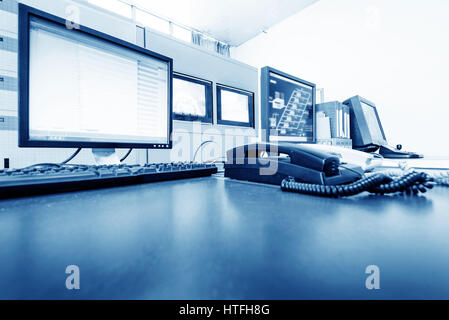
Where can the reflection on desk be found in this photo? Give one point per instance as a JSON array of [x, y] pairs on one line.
[[213, 238]]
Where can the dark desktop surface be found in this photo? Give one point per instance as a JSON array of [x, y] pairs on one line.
[[213, 238]]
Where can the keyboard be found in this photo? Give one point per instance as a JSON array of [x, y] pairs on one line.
[[52, 178]]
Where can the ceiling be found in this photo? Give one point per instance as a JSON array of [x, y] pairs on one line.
[[231, 21]]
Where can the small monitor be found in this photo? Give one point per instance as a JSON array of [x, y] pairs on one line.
[[235, 107], [366, 129], [287, 107], [192, 98], [82, 88]]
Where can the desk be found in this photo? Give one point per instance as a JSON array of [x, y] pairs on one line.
[[213, 238]]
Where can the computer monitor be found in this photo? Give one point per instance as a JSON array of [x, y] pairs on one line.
[[192, 98], [81, 88], [366, 129], [287, 107], [235, 106]]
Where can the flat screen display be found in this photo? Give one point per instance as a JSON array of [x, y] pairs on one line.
[[192, 98], [82, 88], [235, 106], [290, 109], [372, 121]]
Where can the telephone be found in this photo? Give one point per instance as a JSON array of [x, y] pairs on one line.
[[304, 169], [271, 163]]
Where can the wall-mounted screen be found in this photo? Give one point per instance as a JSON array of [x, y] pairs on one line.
[[288, 107], [235, 106], [192, 98]]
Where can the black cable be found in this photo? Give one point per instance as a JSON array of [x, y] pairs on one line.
[[57, 165], [37, 165], [72, 156], [65, 162], [126, 155], [378, 183]]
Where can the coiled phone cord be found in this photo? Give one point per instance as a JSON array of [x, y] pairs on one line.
[[440, 177], [378, 183]]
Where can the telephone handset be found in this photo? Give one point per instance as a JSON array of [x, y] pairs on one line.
[[304, 169]]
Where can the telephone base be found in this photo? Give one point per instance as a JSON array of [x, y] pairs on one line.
[[394, 153]]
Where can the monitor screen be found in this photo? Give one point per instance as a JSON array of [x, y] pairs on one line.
[[192, 98], [84, 90], [235, 106], [287, 107], [366, 129], [372, 121]]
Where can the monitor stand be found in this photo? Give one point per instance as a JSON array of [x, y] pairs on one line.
[[105, 156], [390, 152]]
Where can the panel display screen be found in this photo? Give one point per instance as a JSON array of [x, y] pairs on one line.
[[235, 106], [373, 123], [192, 99], [82, 88], [290, 109]]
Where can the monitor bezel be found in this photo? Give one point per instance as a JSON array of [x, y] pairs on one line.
[[25, 14], [360, 116], [208, 118], [265, 104], [250, 94]]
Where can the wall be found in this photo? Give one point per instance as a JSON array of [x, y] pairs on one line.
[[188, 59], [394, 53], [20, 157], [192, 60]]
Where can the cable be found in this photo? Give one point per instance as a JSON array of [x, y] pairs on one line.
[[37, 165], [72, 156], [65, 162], [216, 160], [126, 155], [379, 183], [57, 165], [441, 178], [199, 147]]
